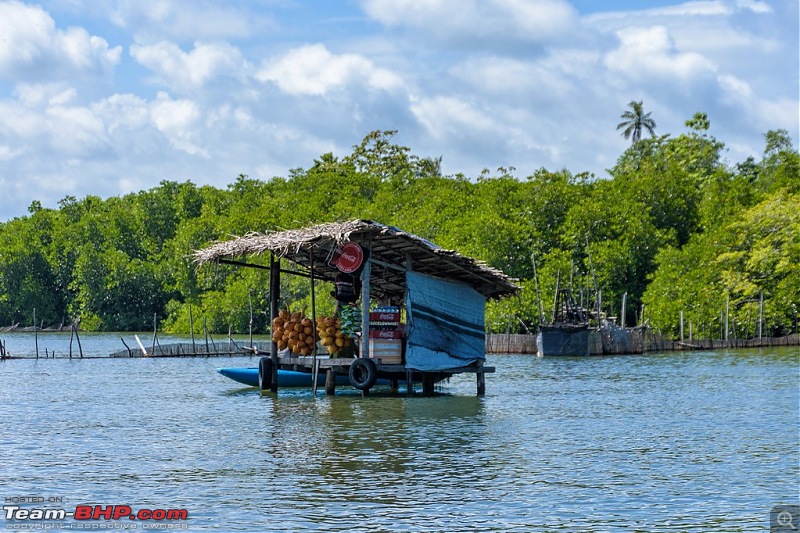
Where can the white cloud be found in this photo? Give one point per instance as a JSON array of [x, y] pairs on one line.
[[157, 20], [180, 122], [482, 83], [646, 54], [181, 70], [477, 20], [314, 70], [33, 49]]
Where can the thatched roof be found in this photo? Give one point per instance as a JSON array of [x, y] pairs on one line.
[[390, 248]]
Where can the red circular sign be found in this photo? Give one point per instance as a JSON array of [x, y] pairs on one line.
[[351, 258]]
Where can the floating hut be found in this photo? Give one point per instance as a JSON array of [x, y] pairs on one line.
[[440, 294]]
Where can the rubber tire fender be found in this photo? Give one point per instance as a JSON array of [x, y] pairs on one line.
[[363, 373], [265, 373]]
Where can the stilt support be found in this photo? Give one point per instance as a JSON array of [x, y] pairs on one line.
[[330, 382], [427, 384]]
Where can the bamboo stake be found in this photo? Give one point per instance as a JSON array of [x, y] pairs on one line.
[[35, 333], [191, 328], [250, 301], [314, 367]]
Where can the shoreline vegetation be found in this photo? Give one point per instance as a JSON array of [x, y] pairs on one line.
[[677, 233], [496, 344]]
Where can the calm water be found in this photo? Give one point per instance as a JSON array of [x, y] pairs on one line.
[[675, 442]]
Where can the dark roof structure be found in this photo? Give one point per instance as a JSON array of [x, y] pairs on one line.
[[391, 252]]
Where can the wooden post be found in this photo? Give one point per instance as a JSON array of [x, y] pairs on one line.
[[427, 383], [155, 329], [760, 316], [409, 382], [365, 289], [624, 306], [191, 328], [330, 382], [481, 378], [250, 301], [314, 376], [681, 325], [205, 332], [314, 362], [35, 333], [274, 299]]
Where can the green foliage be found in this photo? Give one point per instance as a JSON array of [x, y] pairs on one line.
[[675, 228]]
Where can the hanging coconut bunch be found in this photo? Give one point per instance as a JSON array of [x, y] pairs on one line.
[[331, 335], [294, 331]]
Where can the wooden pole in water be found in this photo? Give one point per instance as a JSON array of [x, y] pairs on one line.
[[205, 332], [365, 299], [760, 315], [35, 333], [78, 337], [314, 367], [155, 329], [274, 299], [622, 311], [330, 382], [681, 325], [191, 328], [250, 302]]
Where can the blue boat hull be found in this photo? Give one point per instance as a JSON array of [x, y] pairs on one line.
[[286, 378]]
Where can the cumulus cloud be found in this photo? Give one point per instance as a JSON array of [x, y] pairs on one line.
[[263, 87], [158, 20], [478, 20], [180, 122], [650, 53], [187, 70], [314, 70], [33, 49]]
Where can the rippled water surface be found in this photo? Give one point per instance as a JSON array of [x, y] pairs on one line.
[[667, 442]]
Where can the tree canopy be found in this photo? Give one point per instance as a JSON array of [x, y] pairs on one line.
[[676, 228]]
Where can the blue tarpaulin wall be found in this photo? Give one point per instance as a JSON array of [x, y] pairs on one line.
[[446, 326]]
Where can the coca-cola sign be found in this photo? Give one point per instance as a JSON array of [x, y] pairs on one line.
[[350, 258]]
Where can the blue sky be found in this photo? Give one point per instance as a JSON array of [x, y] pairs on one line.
[[108, 98]]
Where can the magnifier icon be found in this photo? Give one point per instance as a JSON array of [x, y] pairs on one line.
[[785, 520]]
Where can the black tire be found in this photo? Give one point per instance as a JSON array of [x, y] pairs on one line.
[[363, 373], [265, 373]]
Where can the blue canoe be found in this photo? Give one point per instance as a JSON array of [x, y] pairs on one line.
[[286, 378]]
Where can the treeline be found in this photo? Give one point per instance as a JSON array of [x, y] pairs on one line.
[[677, 228]]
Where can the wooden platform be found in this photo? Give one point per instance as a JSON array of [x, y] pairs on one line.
[[393, 372]]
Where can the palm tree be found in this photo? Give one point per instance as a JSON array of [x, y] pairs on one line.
[[635, 121]]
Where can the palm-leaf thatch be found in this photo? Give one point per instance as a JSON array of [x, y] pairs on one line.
[[391, 252]]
